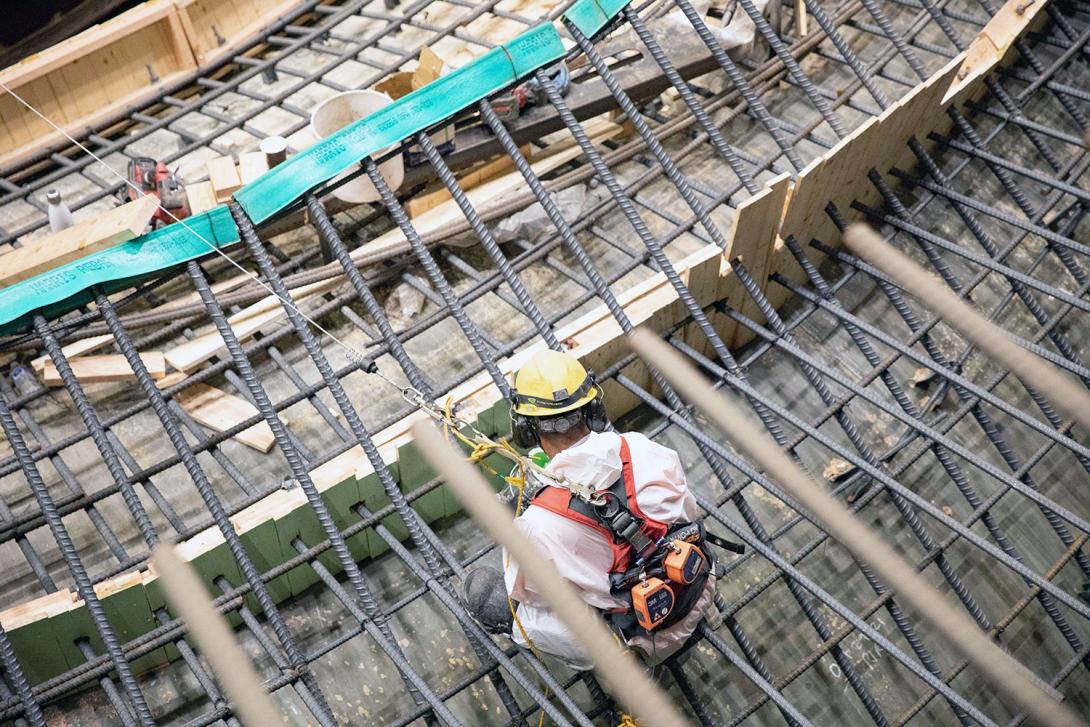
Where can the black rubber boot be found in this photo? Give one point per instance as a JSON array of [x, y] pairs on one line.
[[486, 598]]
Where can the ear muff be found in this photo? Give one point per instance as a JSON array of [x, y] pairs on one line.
[[597, 420], [523, 431]]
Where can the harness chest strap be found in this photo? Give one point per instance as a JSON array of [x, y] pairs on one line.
[[564, 503]]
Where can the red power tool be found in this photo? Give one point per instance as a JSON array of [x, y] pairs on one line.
[[153, 177]]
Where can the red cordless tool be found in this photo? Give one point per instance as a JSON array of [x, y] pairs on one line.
[[153, 177]]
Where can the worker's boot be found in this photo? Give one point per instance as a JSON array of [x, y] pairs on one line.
[[486, 599]]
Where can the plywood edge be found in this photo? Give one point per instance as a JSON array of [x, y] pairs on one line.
[[236, 38], [991, 45]]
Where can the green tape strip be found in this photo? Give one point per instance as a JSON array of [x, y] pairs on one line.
[[116, 267], [590, 16], [419, 110]]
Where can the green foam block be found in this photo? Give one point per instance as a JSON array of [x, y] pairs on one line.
[[302, 523]]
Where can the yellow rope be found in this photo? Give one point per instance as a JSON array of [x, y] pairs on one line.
[[627, 720]]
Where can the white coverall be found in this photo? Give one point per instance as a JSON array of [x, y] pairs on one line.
[[583, 556]]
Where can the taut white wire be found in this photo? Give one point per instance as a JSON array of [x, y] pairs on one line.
[[354, 354]]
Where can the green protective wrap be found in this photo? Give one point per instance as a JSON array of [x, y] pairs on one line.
[[419, 110], [590, 16], [115, 268]]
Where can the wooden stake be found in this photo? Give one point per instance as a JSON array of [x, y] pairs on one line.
[[616, 667], [190, 601], [1007, 675]]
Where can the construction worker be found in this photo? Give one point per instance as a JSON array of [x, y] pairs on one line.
[[611, 550]]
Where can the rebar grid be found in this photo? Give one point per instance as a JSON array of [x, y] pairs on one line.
[[883, 438]]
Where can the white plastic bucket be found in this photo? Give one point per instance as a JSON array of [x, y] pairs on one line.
[[339, 111]]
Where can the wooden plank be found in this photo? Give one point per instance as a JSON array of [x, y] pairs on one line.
[[219, 411], [840, 175], [990, 46], [201, 197], [191, 354], [84, 43], [488, 194], [223, 175], [79, 240], [753, 234], [44, 135], [251, 165], [105, 369], [82, 81], [421, 203], [238, 22], [76, 348]]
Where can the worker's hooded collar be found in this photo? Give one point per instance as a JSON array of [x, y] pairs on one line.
[[594, 460]]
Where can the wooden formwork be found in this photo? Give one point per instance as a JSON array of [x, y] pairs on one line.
[[122, 62]]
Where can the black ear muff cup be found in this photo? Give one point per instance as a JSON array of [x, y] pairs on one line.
[[597, 421], [523, 431]]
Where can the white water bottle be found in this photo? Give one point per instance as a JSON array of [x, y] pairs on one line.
[[60, 217]]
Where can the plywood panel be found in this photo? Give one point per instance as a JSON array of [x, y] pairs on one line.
[[83, 80], [103, 369], [753, 234]]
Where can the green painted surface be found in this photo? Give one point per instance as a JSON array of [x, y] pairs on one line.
[[130, 614], [590, 16], [263, 545], [38, 651]]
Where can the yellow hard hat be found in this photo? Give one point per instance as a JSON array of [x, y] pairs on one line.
[[552, 383]]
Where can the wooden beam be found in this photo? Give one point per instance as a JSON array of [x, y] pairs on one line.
[[219, 411], [105, 369], [251, 165], [76, 348], [81, 239], [223, 175]]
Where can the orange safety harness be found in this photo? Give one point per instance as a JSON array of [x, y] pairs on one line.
[[659, 569]]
